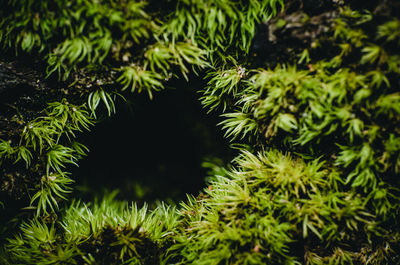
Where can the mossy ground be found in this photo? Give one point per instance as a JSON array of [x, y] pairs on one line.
[[306, 91]]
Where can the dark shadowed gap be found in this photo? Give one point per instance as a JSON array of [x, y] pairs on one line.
[[152, 149]]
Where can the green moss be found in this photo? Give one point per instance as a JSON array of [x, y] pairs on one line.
[[316, 180], [275, 209], [106, 232]]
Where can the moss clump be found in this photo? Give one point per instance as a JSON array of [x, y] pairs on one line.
[[105, 232], [276, 209]]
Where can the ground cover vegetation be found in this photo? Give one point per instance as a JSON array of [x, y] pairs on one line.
[[308, 95]]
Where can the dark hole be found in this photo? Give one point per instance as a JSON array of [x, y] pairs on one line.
[[152, 149]]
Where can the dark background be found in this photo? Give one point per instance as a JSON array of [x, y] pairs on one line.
[[152, 149]]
